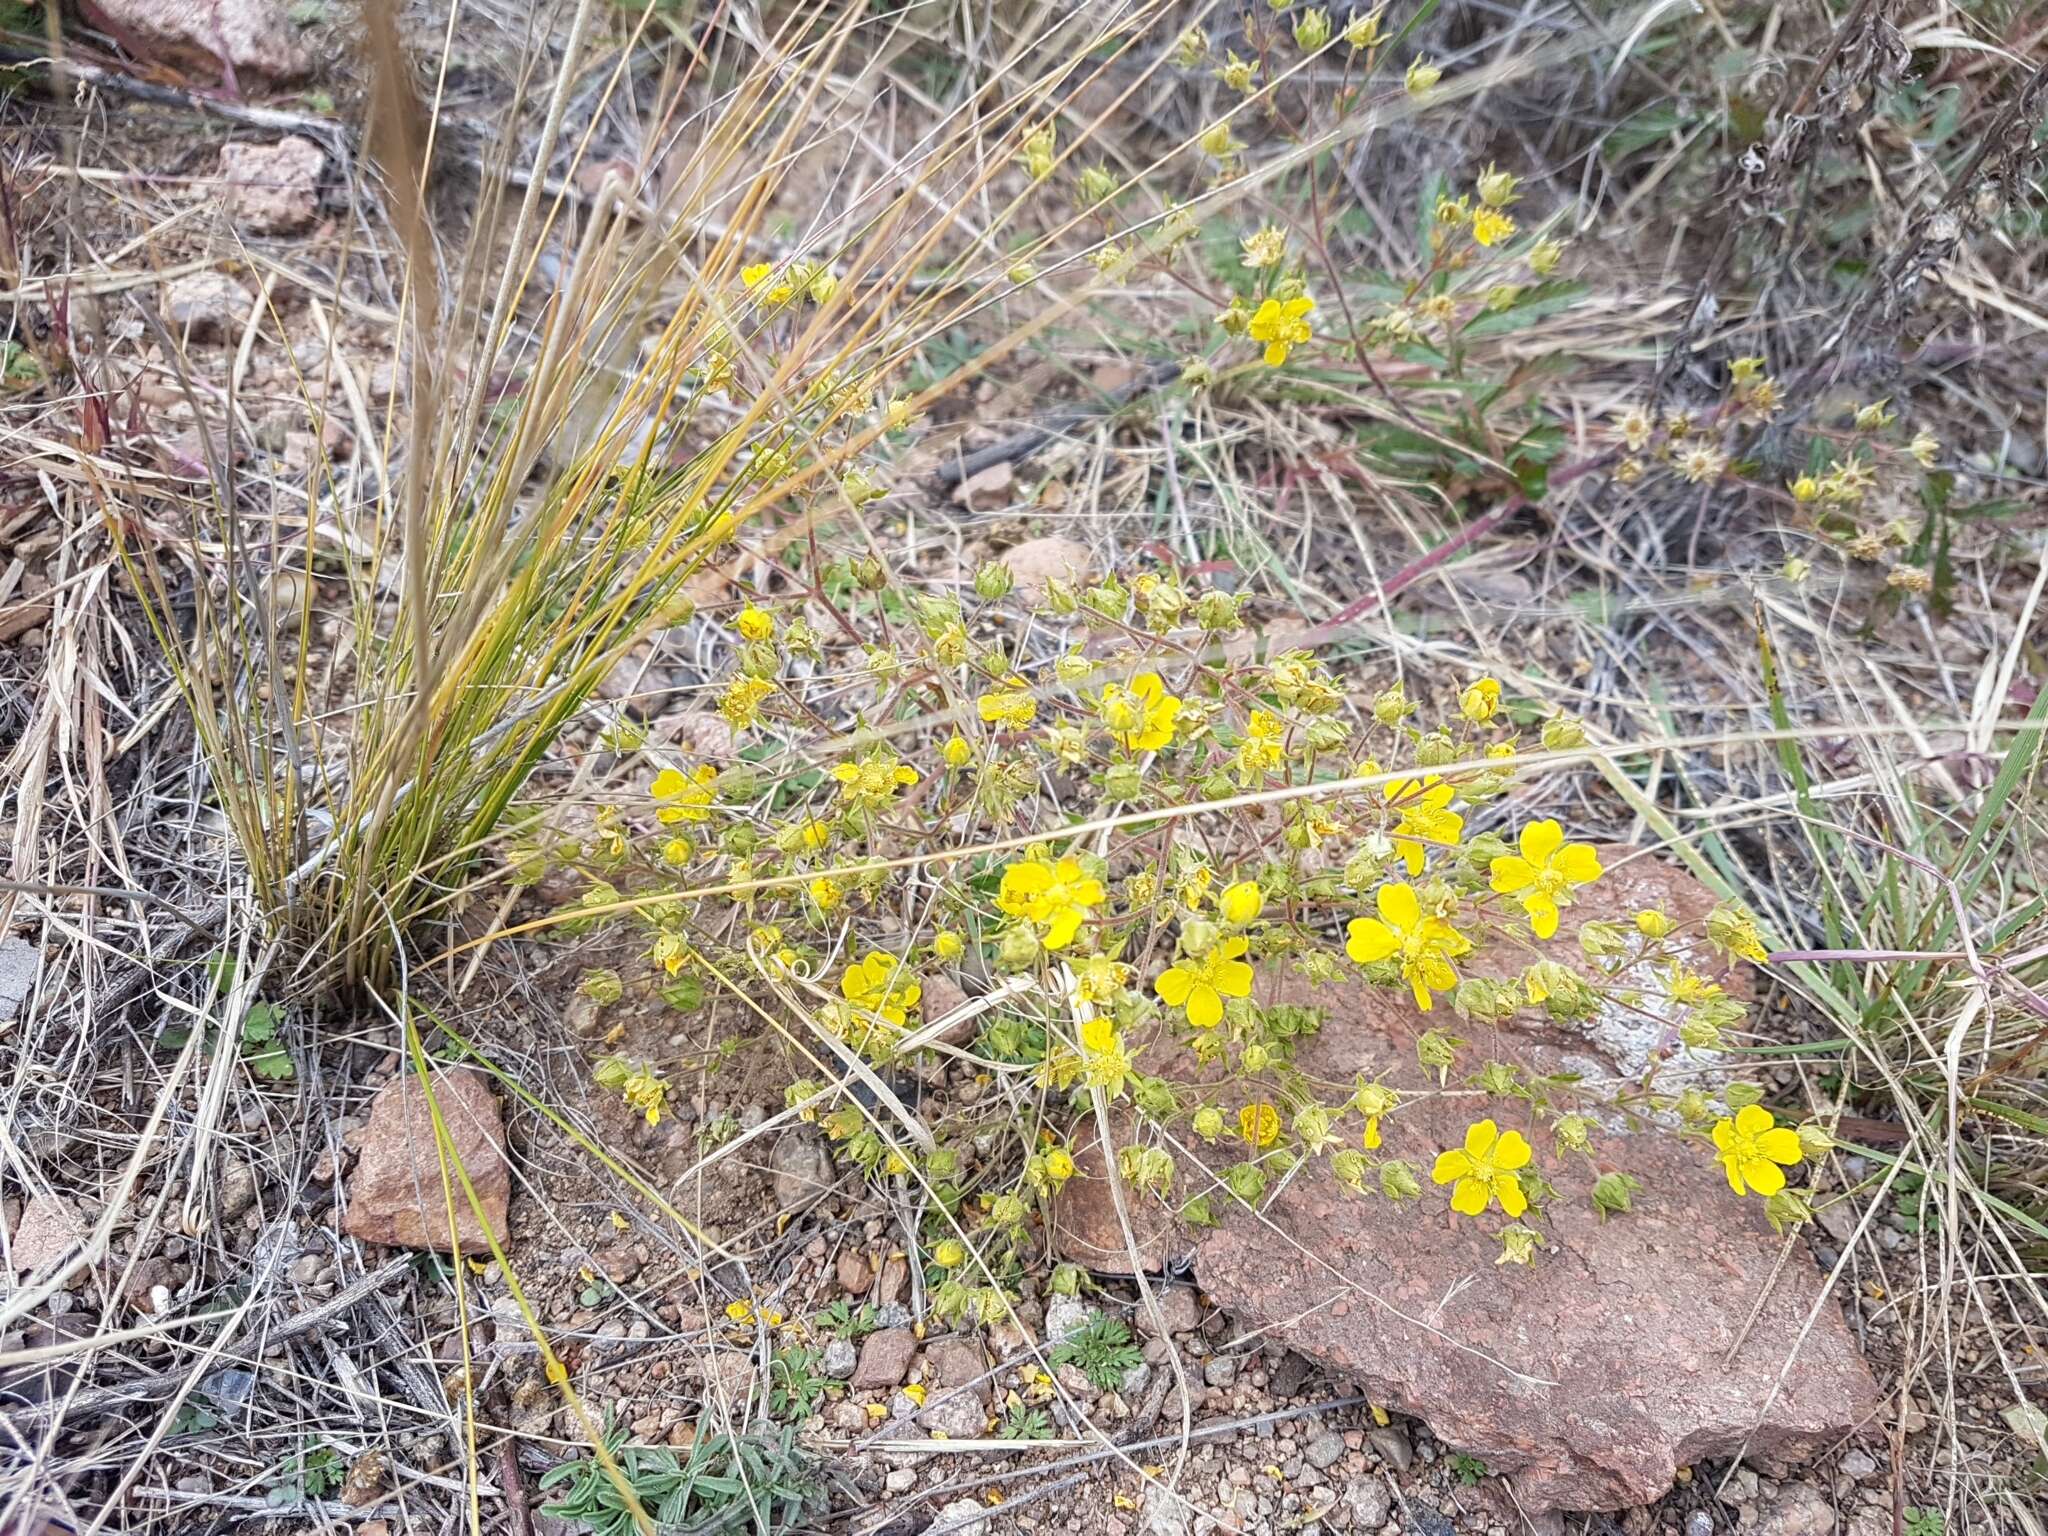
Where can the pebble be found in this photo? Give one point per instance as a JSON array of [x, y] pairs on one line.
[[839, 1359], [1860, 1464], [1325, 1450], [1370, 1503], [1699, 1523], [1393, 1447], [1066, 1316], [1220, 1371], [902, 1480]]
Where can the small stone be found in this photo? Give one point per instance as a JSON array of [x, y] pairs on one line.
[[958, 1415], [1799, 1510], [849, 1418], [1369, 1502], [1220, 1371], [1392, 1446], [223, 39], [1699, 1523], [237, 1188], [1325, 1449], [1135, 1381], [1066, 1317], [957, 1360], [1165, 1515], [273, 189], [18, 962], [958, 1518], [854, 1273], [893, 1284], [1037, 562], [902, 1480], [839, 1359], [988, 489], [395, 1196], [884, 1359], [48, 1228], [1860, 1464], [203, 306], [802, 1168], [1290, 1375], [1179, 1312]]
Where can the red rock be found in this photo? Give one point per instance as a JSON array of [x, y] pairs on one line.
[[884, 1359], [1588, 1378], [396, 1195], [214, 37], [273, 189]]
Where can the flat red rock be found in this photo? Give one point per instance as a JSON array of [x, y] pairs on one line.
[[1593, 1375]]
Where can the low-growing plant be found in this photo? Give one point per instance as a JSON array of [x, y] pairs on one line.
[[1102, 1351], [754, 1482]]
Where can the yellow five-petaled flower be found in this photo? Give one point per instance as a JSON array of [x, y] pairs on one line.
[[872, 782], [683, 796], [1055, 895], [1752, 1146], [1426, 817], [872, 984], [1142, 715], [1425, 946], [1281, 324], [1199, 983], [1484, 1170], [1544, 873]]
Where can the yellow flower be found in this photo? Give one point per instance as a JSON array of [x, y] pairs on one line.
[[1242, 903], [781, 291], [1012, 706], [1374, 1100], [683, 797], [1140, 716], [1056, 896], [1426, 817], [646, 1092], [741, 703], [1259, 1124], [1059, 1165], [872, 984], [958, 751], [1652, 924], [754, 623], [1425, 946], [950, 1254], [1199, 983], [873, 781], [948, 945], [1098, 978], [1544, 873], [1752, 1146], [1281, 324], [1479, 702], [1260, 753], [1484, 1170], [1490, 226], [1421, 78], [1098, 1034], [826, 893]]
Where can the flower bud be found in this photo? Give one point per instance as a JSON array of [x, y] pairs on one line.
[[1518, 1244], [1017, 949], [1612, 1193], [993, 580], [1208, 1122], [1563, 733], [1399, 1182], [1198, 935]]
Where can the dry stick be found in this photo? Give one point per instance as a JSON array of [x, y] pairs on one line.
[[332, 133], [1023, 444]]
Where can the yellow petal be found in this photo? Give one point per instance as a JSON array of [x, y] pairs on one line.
[[1480, 1137], [1540, 839], [1205, 1007], [1471, 1197], [1753, 1120], [1578, 863], [1542, 916], [1507, 1189], [1763, 1176], [1234, 979], [1512, 1151], [1399, 905], [1369, 940], [1780, 1145], [1173, 987], [1450, 1165], [1512, 874]]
